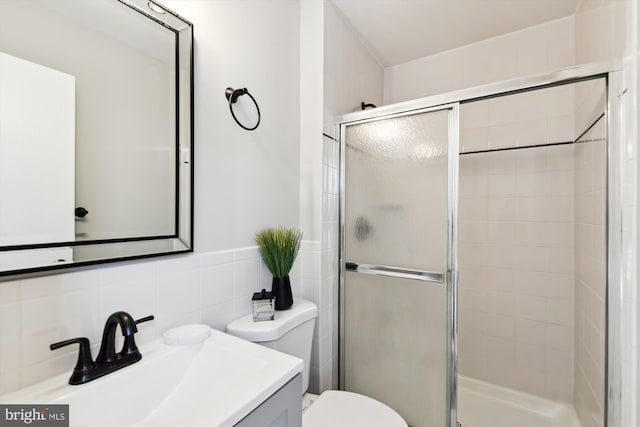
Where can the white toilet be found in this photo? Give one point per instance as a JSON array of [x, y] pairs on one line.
[[292, 332]]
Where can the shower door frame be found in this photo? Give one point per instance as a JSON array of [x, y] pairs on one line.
[[610, 72]]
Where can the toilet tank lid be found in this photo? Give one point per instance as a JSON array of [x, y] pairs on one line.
[[271, 330]]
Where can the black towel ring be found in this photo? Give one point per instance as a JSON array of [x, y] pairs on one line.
[[232, 95]]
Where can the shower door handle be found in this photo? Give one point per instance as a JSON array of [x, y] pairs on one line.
[[404, 273]]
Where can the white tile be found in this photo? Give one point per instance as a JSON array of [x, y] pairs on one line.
[[472, 299], [560, 129], [558, 337], [138, 298], [500, 256], [531, 209], [311, 265], [559, 363], [246, 277], [501, 350], [473, 186], [503, 185], [532, 307], [531, 332], [532, 132], [123, 273], [178, 264], [9, 382], [242, 306], [501, 326], [56, 284], [503, 136], [310, 245], [474, 139], [53, 365], [530, 357], [472, 231], [246, 253], [10, 349], [9, 292], [501, 232], [502, 209], [56, 318], [217, 285], [218, 316], [501, 303], [474, 114], [471, 321], [178, 293], [210, 259], [266, 278], [532, 184]]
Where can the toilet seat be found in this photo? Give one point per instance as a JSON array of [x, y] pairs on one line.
[[346, 409]]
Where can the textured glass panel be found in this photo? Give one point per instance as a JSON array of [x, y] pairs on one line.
[[390, 359], [396, 192], [396, 212]]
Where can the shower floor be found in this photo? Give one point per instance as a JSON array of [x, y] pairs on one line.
[[482, 404]]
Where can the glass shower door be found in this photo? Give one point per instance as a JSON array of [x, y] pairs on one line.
[[398, 263]]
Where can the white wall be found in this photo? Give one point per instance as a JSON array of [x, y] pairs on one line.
[[244, 181], [533, 50], [351, 73]]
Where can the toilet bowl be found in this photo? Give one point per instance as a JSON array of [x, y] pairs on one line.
[[291, 332]]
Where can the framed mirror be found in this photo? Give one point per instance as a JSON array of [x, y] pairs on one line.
[[96, 133]]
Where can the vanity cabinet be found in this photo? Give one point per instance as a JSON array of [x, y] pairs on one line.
[[282, 409]]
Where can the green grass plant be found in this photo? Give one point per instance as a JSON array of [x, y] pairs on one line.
[[279, 248]]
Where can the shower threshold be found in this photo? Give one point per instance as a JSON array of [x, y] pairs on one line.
[[482, 404]]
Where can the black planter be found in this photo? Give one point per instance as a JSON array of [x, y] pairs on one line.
[[281, 288]]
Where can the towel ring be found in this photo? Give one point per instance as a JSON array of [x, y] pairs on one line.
[[232, 95]]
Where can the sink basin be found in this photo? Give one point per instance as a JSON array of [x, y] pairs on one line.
[[216, 383]]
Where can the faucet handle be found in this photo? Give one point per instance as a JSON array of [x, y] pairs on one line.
[[84, 363], [129, 347], [145, 319]]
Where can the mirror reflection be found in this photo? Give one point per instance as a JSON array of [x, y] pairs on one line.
[[91, 130]]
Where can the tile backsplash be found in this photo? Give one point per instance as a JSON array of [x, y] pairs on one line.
[[212, 288]]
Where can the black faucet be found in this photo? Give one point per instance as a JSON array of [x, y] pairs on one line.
[[107, 361]]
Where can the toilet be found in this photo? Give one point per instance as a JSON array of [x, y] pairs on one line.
[[291, 332]]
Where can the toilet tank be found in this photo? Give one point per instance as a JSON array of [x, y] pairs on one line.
[[290, 332]]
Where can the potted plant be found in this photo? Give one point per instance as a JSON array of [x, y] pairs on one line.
[[279, 248]]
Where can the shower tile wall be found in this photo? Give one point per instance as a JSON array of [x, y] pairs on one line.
[[590, 256], [516, 243]]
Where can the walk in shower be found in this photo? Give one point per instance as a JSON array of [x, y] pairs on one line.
[[476, 264]]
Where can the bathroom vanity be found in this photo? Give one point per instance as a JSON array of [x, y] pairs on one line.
[[223, 381]]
